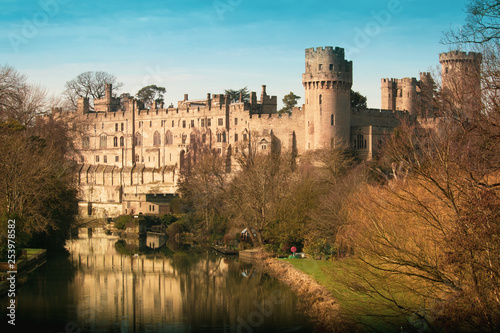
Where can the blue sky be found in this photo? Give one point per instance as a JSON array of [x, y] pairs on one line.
[[207, 46]]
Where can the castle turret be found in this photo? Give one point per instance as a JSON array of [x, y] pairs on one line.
[[327, 82], [399, 94], [461, 78]]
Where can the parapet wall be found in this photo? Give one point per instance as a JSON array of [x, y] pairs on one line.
[[460, 56]]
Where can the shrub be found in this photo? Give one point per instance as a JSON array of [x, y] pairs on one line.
[[167, 219], [122, 221]]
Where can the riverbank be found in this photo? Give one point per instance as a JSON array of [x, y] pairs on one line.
[[316, 301], [27, 263]]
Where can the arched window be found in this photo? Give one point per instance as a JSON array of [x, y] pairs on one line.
[[169, 139], [192, 138], [122, 141], [115, 141], [103, 141], [184, 138], [138, 139], [360, 142], [224, 136], [156, 139]]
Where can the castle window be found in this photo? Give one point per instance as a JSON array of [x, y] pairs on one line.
[[156, 139], [150, 123], [264, 147], [235, 121], [173, 123], [86, 142], [224, 137], [97, 158], [360, 142], [183, 124], [140, 124], [115, 141], [103, 141], [204, 137], [122, 127], [331, 67], [117, 159], [137, 158], [219, 137], [220, 121], [116, 127], [169, 139], [138, 139], [320, 67], [192, 123], [235, 137], [184, 138], [332, 120], [192, 138], [320, 99], [202, 122], [245, 137], [105, 158], [446, 70], [122, 141], [102, 126], [209, 122], [219, 151]]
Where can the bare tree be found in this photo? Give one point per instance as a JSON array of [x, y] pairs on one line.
[[89, 85], [482, 24]]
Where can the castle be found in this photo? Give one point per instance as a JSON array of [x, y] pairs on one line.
[[131, 157]]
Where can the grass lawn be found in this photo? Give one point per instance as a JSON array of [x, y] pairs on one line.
[[31, 252], [357, 305]]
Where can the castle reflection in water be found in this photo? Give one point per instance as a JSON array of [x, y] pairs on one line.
[[185, 291]]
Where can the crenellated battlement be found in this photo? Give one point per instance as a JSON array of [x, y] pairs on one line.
[[460, 56], [403, 81], [327, 60]]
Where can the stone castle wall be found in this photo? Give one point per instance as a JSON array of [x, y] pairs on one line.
[[131, 157]]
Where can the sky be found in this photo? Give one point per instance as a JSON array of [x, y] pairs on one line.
[[208, 46]]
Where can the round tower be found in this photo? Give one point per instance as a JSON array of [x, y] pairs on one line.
[[461, 77], [327, 83]]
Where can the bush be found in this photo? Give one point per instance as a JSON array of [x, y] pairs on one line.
[[167, 219], [122, 221], [174, 229]]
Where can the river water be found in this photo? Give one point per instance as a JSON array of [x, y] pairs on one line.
[[97, 286]]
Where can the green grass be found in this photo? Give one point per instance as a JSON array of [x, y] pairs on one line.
[[31, 252], [332, 275]]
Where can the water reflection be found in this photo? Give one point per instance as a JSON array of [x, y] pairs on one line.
[[184, 291]]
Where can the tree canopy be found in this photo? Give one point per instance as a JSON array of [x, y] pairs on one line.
[[234, 95], [90, 85], [150, 94], [357, 100], [289, 102]]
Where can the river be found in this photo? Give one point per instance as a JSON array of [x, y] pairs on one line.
[[97, 286]]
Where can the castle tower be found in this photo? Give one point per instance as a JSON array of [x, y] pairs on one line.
[[388, 87], [461, 79], [327, 84], [399, 94]]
